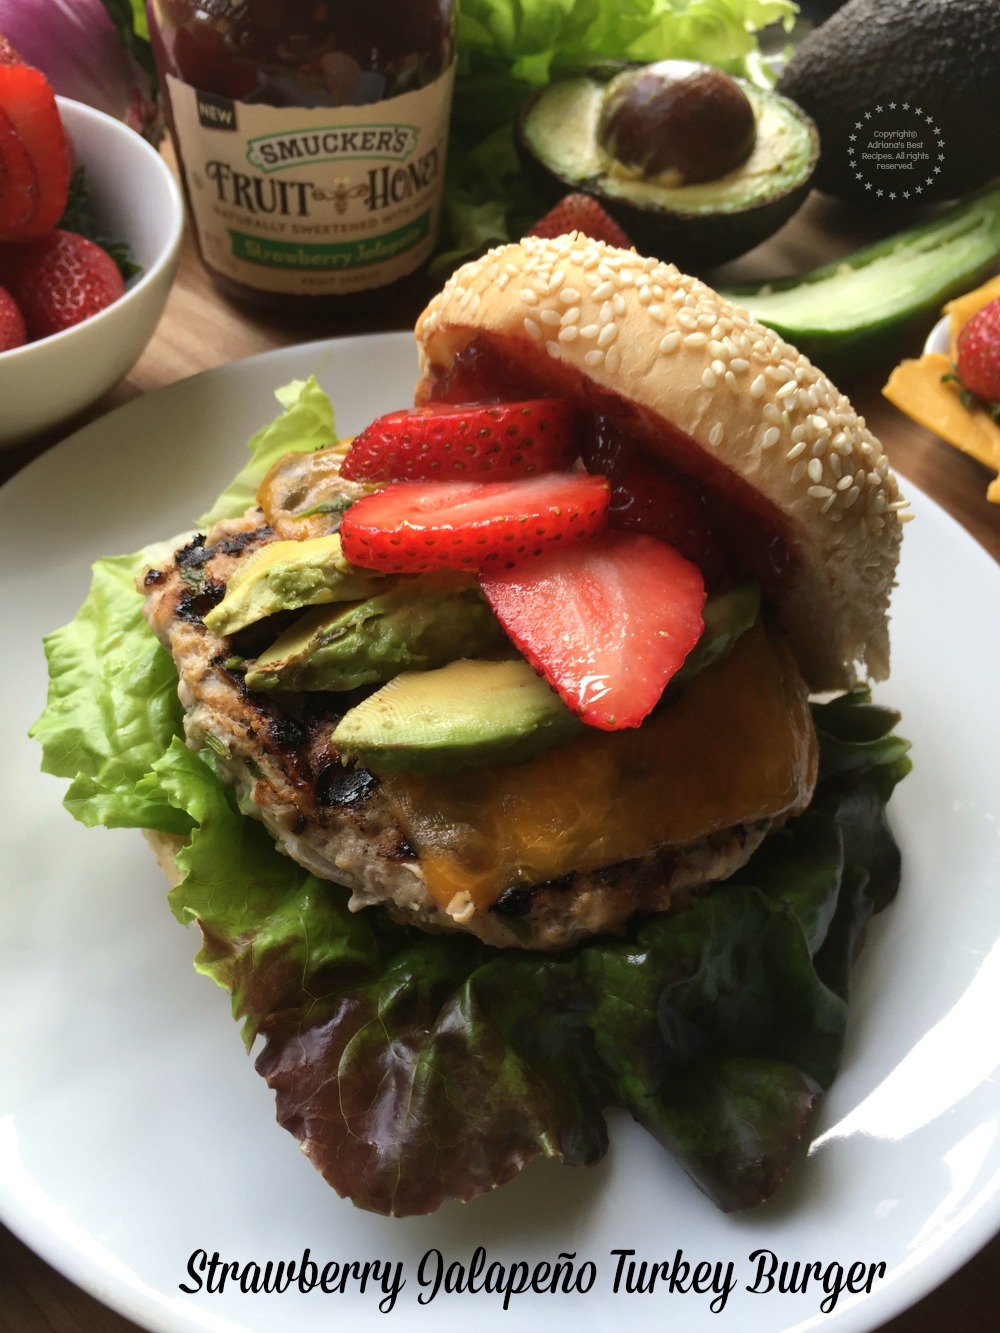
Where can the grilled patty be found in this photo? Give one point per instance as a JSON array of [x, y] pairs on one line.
[[334, 820]]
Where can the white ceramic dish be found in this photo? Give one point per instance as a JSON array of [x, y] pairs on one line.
[[137, 200], [134, 1131], [937, 339]]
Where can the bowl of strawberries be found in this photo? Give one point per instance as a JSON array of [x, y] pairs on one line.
[[91, 220]]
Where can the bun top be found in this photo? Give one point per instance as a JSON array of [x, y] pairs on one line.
[[726, 399]]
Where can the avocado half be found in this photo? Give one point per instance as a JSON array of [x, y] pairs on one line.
[[693, 226]]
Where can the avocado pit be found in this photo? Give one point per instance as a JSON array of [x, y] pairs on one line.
[[676, 121]]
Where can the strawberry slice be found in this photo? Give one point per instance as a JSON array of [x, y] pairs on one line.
[[496, 441], [19, 190], [29, 105], [647, 495], [606, 622], [410, 527]]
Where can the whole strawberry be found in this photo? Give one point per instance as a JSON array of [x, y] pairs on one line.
[[59, 280], [978, 362], [12, 330], [581, 212]]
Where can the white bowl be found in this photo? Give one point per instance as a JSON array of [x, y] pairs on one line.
[[938, 340], [137, 200]]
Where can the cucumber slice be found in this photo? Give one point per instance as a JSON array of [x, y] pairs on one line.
[[846, 310]]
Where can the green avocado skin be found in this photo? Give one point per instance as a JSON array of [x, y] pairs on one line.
[[940, 55], [420, 623]]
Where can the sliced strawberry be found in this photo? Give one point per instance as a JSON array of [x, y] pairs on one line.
[[496, 441], [581, 212], [12, 330], [647, 495], [29, 105], [411, 527], [606, 622], [59, 280], [19, 189]]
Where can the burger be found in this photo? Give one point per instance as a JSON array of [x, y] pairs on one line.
[[521, 684]]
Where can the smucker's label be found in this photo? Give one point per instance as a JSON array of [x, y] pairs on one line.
[[314, 201]]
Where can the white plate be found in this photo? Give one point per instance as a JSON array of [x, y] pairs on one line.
[[134, 1131]]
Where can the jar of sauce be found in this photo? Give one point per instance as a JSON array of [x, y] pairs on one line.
[[311, 136]]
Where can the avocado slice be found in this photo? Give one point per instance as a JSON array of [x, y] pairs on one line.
[[472, 713], [285, 576], [843, 313], [419, 623], [725, 616], [692, 225], [463, 715]]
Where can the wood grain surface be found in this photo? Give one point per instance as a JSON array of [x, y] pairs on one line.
[[200, 330]]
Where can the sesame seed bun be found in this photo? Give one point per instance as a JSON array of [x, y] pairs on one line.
[[728, 401]]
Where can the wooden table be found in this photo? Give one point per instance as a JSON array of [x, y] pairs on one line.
[[200, 330]]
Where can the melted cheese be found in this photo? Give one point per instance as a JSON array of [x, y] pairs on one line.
[[737, 746]]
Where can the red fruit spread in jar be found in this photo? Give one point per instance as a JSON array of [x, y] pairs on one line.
[[311, 136]]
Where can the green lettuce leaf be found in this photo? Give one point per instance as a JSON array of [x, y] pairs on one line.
[[417, 1068], [112, 706], [508, 51]]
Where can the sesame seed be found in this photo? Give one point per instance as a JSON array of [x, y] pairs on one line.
[[618, 304], [552, 348], [786, 390], [670, 341], [797, 473], [569, 333], [612, 360], [715, 434], [532, 329], [656, 313], [815, 469], [606, 314], [845, 483], [770, 437], [708, 378], [571, 316], [795, 450], [590, 331], [549, 317], [719, 367], [716, 348], [569, 296], [739, 364], [819, 492], [851, 496], [686, 320], [730, 379], [594, 358], [607, 335], [695, 339], [605, 290]]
